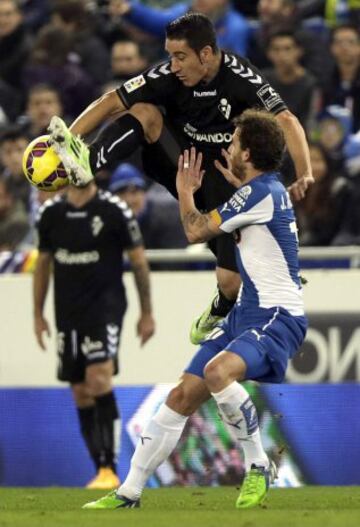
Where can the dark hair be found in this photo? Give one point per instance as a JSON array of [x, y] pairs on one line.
[[283, 33], [261, 134], [12, 133], [341, 27], [196, 29], [43, 87], [72, 11]]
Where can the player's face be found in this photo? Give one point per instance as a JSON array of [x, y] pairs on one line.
[[185, 63], [238, 157], [42, 106], [11, 153]]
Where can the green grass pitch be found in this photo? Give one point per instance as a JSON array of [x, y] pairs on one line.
[[183, 507]]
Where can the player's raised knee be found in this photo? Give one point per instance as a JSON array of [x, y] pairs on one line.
[[179, 401], [215, 375], [150, 118]]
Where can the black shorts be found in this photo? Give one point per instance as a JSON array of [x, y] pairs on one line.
[[160, 164], [79, 349]]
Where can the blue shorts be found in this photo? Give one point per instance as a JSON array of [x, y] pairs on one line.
[[265, 339]]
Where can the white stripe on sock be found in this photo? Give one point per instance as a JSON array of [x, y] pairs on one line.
[[120, 139]]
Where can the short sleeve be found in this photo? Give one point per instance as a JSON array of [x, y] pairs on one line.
[[43, 226], [253, 87], [124, 224], [152, 86], [251, 204]]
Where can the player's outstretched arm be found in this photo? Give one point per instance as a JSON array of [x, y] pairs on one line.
[[107, 106], [40, 288], [198, 227], [140, 267], [298, 148]]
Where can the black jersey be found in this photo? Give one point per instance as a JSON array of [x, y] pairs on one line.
[[87, 246], [204, 113]]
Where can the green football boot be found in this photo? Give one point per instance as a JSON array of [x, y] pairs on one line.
[[255, 486], [111, 502], [204, 324], [73, 152]]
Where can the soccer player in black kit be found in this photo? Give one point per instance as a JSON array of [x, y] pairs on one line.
[[82, 235], [187, 101]]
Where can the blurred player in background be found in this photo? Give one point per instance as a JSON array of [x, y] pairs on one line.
[[201, 90], [82, 235], [263, 330]]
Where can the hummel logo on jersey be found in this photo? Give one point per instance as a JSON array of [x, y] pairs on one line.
[[209, 93], [100, 158], [89, 345], [96, 225], [156, 72], [225, 108], [242, 71]]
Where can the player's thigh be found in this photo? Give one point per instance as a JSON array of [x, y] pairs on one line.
[[98, 377], [224, 249], [83, 398], [214, 344], [71, 361], [160, 159], [188, 395]]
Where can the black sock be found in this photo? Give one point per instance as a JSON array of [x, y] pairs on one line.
[[107, 415], [90, 433], [221, 305], [116, 141]]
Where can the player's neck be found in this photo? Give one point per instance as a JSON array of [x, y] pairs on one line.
[[250, 174], [213, 68], [78, 197]]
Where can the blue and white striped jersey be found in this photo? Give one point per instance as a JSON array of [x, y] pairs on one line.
[[267, 245]]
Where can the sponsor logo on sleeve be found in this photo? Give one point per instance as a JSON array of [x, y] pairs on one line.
[[135, 83], [240, 197], [268, 96]]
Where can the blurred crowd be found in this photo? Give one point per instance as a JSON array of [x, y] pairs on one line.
[[56, 56]]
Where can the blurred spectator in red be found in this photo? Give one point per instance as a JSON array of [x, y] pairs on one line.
[[277, 15], [73, 17], [320, 213], [343, 85], [43, 103], [160, 225], [15, 43], [296, 86], [232, 28], [50, 63], [126, 60], [14, 225], [13, 142]]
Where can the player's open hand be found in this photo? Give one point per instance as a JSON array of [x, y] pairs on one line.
[[189, 175], [227, 171], [145, 328], [41, 327], [298, 189]]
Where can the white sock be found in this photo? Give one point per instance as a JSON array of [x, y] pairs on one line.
[[239, 413], [157, 441]]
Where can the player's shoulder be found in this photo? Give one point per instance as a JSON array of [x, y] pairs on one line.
[[50, 207], [155, 75], [241, 70], [114, 204]]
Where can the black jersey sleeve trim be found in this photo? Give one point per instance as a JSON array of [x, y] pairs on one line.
[[279, 110], [122, 98]]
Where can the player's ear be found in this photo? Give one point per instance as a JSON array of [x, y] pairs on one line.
[[206, 54]]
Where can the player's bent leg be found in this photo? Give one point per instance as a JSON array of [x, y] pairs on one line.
[[239, 413], [118, 140], [107, 423], [219, 307], [157, 441]]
